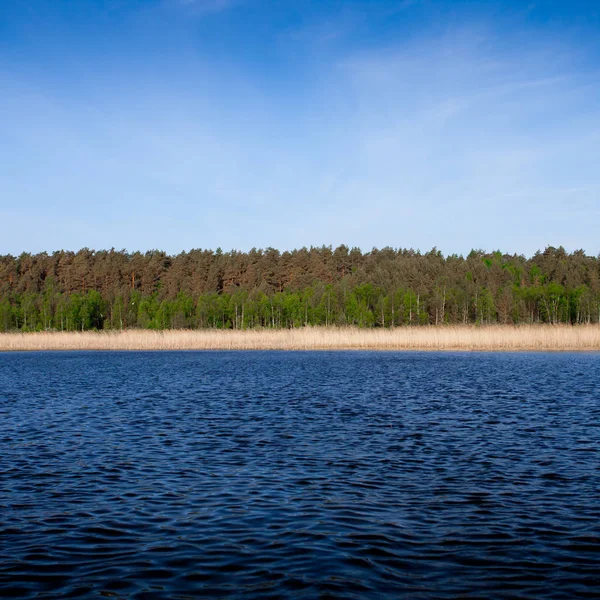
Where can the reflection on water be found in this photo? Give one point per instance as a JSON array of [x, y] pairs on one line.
[[347, 475]]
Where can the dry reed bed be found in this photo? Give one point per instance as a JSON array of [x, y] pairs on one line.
[[498, 338]]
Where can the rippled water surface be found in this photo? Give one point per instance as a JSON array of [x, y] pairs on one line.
[[304, 475]]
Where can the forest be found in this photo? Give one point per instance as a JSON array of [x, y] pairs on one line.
[[110, 289]]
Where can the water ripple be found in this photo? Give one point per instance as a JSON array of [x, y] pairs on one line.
[[274, 474]]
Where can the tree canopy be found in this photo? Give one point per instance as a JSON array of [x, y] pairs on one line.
[[386, 287]]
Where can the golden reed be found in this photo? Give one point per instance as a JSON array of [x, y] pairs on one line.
[[488, 338]]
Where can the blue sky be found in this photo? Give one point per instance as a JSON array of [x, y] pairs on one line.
[[178, 124]]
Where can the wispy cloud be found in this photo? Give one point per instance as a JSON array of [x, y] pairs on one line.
[[460, 130]]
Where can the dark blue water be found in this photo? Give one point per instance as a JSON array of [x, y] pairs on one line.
[[304, 475]]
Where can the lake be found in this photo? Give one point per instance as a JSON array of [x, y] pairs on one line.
[[304, 475]]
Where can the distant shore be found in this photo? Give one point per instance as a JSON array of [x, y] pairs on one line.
[[449, 338]]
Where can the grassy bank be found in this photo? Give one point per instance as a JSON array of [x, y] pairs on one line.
[[500, 338]]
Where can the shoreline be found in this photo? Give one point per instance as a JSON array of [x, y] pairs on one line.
[[488, 338]]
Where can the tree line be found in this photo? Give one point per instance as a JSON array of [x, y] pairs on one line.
[[112, 289]]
